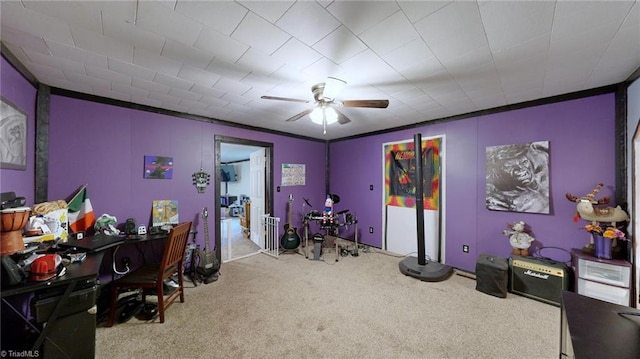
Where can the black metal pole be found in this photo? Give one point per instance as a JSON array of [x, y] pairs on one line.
[[417, 147]]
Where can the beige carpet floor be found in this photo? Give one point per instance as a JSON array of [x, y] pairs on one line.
[[359, 307]]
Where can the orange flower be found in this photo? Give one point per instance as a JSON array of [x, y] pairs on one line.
[[594, 229], [612, 232]]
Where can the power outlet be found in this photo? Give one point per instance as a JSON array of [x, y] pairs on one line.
[[370, 229], [465, 248]]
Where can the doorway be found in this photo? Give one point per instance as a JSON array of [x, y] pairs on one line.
[[635, 195], [234, 189]]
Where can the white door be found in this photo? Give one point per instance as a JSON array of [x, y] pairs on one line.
[[257, 195]]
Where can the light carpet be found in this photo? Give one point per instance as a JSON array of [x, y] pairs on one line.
[[359, 307]]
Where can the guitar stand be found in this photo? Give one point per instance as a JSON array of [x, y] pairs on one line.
[[285, 251], [192, 272]]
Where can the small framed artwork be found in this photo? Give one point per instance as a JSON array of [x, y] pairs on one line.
[[13, 136], [158, 167]]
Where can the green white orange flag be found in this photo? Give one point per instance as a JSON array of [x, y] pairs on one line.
[[81, 216]]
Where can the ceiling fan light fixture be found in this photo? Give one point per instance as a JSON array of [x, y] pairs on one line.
[[316, 115]]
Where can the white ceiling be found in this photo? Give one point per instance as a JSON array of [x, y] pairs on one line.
[[431, 59]]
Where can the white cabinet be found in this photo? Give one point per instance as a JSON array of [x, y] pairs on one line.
[[605, 279]]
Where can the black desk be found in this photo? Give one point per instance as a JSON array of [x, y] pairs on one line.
[[76, 272], [78, 275], [101, 242], [591, 328]]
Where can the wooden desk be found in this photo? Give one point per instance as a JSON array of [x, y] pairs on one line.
[[591, 328]]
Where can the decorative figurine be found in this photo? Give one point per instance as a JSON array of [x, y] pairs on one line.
[[327, 212], [585, 209], [201, 180], [519, 238]]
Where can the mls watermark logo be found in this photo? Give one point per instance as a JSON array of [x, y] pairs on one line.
[[20, 353]]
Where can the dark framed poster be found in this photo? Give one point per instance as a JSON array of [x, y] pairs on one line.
[[517, 178], [13, 136]]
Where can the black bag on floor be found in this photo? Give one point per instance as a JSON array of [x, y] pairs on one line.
[[492, 275]]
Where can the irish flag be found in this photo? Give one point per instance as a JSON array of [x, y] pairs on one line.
[[81, 216]]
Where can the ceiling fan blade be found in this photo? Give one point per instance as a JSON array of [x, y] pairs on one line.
[[332, 88], [300, 115], [342, 119], [284, 99], [366, 103]]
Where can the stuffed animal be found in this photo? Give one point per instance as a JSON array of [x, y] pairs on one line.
[[327, 212], [106, 224], [519, 238]]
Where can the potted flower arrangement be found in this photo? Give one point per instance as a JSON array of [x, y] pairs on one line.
[[604, 239]]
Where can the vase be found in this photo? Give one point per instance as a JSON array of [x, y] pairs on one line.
[[602, 247]]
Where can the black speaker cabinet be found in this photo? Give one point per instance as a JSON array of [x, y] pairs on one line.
[[537, 278]]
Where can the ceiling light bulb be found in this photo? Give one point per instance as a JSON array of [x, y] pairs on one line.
[[316, 115], [332, 116], [330, 113]]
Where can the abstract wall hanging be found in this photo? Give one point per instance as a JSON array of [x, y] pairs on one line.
[[158, 167]]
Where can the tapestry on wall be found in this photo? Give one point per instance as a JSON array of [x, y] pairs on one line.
[[400, 165], [518, 177], [158, 167]]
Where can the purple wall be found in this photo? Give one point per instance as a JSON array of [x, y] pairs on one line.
[[22, 94], [581, 140], [104, 146]]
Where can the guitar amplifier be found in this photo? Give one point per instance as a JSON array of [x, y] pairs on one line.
[[537, 278]]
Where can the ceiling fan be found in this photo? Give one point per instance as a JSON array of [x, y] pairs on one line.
[[324, 94]]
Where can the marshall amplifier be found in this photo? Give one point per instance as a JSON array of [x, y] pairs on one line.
[[537, 278]]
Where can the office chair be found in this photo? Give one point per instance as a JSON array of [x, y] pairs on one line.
[[152, 276]]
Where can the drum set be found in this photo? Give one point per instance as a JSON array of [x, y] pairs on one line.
[[330, 224]]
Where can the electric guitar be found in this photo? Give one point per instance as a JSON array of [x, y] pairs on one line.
[[290, 238], [208, 264]]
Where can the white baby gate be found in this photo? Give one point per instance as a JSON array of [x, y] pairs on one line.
[[269, 227]]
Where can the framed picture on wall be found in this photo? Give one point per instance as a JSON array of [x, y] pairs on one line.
[[158, 167], [518, 177], [13, 136]]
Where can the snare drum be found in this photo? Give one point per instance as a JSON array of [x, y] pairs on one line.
[[13, 221]]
